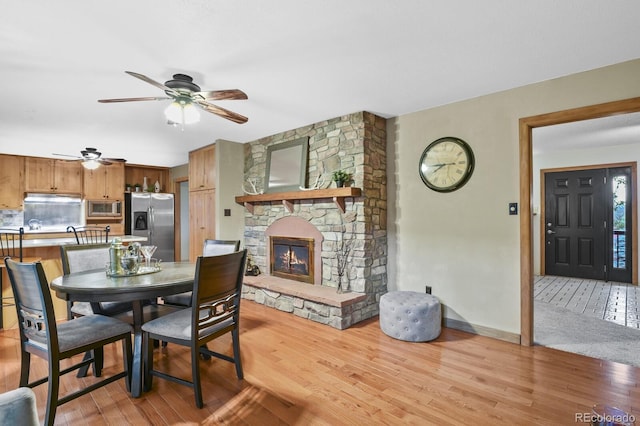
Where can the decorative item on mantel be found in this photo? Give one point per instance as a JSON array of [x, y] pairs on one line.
[[340, 177], [318, 184], [254, 190], [320, 181], [137, 187], [127, 187], [156, 187]]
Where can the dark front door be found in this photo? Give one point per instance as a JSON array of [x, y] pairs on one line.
[[574, 224], [586, 221]]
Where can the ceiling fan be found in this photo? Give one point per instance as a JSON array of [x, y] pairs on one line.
[[185, 93], [92, 158]]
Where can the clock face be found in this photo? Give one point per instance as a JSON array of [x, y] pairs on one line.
[[446, 164]]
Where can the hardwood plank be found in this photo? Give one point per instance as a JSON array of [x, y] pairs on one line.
[[300, 372]]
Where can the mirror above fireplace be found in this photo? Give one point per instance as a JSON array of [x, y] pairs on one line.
[[286, 168]]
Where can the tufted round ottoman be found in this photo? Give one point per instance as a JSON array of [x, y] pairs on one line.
[[410, 316]]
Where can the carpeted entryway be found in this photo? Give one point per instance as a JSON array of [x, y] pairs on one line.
[[569, 315], [567, 331]]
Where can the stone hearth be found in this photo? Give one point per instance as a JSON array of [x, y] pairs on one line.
[[355, 143], [318, 303]]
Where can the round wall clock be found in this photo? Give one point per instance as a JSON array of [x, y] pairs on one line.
[[446, 164]]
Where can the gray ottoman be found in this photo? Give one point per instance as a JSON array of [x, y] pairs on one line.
[[410, 316]]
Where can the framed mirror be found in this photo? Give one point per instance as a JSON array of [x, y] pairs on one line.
[[286, 168]]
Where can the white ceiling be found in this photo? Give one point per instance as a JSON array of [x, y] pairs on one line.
[[300, 62]]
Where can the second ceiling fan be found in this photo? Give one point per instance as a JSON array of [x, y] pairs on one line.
[[185, 93]]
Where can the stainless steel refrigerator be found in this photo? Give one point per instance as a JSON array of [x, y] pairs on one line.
[[151, 215]]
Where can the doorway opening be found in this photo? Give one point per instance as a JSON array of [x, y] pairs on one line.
[[526, 126]]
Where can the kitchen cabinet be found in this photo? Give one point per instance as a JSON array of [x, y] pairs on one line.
[[11, 182], [136, 174], [105, 182], [202, 223], [46, 175], [202, 168]]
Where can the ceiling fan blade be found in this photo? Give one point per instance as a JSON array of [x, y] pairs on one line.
[[220, 95], [107, 101], [115, 160], [148, 80], [224, 113], [104, 161], [67, 155]]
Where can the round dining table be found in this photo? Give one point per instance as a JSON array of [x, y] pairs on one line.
[[97, 286]]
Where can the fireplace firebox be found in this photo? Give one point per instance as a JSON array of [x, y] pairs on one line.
[[292, 258]]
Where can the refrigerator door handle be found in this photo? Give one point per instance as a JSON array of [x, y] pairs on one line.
[[151, 224]]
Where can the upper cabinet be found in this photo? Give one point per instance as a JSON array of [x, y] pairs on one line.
[[136, 174], [11, 182], [53, 176], [105, 182], [202, 168]]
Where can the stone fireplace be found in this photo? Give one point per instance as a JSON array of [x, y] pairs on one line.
[[326, 225]]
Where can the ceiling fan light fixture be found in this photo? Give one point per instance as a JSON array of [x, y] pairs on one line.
[[91, 164], [182, 112]]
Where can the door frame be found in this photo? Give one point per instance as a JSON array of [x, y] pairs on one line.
[[634, 210], [526, 126], [177, 216]]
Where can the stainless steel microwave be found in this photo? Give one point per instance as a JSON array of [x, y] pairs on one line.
[[104, 208]]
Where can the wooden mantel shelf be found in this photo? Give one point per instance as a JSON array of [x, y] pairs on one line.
[[337, 194]]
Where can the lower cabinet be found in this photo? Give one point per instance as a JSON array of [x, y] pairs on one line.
[[202, 223]]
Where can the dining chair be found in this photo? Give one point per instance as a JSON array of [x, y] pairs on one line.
[[90, 234], [88, 257], [19, 407], [10, 246], [11, 242], [215, 311], [92, 257], [41, 336], [210, 248]]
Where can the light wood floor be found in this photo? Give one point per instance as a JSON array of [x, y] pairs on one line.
[[610, 301], [298, 372]]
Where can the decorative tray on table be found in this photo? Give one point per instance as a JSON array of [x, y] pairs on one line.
[[142, 270]]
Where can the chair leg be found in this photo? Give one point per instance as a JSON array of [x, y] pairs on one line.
[[54, 388], [82, 371], [98, 363], [205, 356], [195, 373], [235, 336], [25, 366]]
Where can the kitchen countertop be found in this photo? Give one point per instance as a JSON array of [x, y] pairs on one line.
[[52, 242]]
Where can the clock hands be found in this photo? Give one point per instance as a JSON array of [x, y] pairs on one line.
[[440, 165]]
